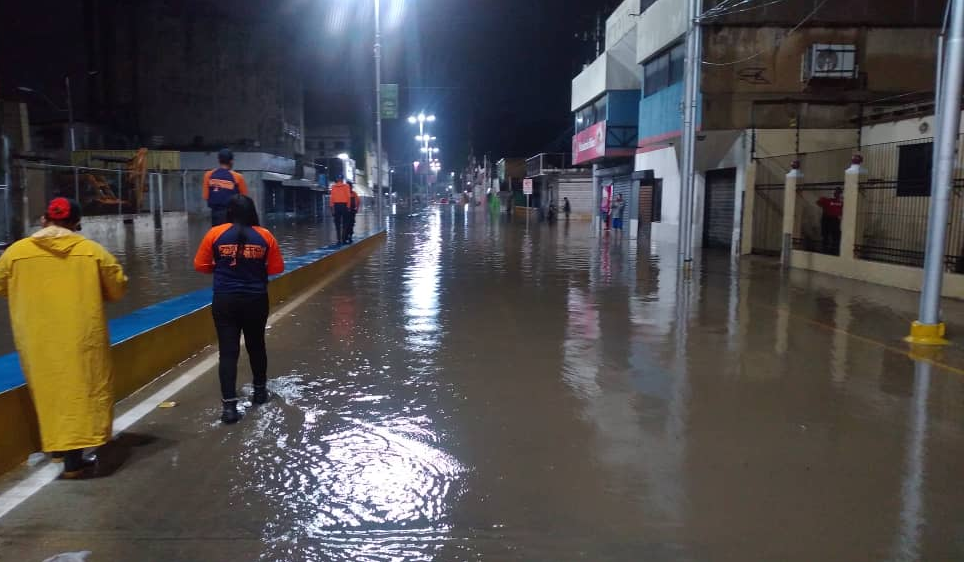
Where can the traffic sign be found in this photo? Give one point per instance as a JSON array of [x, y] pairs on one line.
[[527, 186], [389, 101]]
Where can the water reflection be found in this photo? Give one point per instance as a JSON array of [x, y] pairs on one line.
[[422, 287]]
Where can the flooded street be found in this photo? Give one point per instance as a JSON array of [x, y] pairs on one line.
[[160, 262], [477, 390]]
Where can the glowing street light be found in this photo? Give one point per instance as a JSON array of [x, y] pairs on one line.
[[343, 156]]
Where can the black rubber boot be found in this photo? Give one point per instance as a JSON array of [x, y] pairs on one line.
[[76, 466], [229, 414], [260, 395]]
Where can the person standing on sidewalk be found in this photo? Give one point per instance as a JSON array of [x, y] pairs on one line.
[[241, 255], [57, 282], [340, 199], [221, 185], [354, 206], [619, 209], [830, 221]]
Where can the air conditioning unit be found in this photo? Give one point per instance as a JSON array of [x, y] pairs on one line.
[[824, 60]]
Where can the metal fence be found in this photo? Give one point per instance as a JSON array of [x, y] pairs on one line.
[[767, 219], [100, 191], [814, 232], [894, 204], [892, 228]]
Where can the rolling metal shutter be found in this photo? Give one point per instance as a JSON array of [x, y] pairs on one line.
[[718, 215]]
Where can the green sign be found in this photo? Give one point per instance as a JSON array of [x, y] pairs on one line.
[[389, 101]]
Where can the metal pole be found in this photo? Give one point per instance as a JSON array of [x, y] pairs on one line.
[[120, 191], [73, 138], [946, 133], [184, 188], [687, 169], [378, 108]]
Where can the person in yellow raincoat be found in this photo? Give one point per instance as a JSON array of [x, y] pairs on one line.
[[57, 282]]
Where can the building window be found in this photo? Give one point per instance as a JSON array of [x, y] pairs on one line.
[[914, 169], [663, 70], [339, 145], [591, 114]]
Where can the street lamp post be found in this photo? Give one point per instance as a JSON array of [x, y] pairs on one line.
[[421, 119], [378, 107], [70, 124]]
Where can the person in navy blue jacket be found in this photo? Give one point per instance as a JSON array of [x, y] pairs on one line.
[[241, 255], [221, 185]]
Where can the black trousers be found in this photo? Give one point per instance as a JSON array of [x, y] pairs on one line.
[[219, 216], [351, 223], [830, 233], [235, 314], [342, 219]]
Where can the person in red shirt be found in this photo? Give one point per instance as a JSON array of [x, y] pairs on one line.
[[830, 221], [241, 255], [221, 185]]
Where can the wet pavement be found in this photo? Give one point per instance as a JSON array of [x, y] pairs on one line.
[[160, 261], [484, 391]]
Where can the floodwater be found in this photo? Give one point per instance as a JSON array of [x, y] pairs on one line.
[[476, 390], [159, 262]]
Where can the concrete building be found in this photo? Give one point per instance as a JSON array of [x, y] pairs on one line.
[[194, 75], [605, 104], [775, 80]]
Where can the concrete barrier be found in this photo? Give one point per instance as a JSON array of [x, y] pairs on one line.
[[151, 341]]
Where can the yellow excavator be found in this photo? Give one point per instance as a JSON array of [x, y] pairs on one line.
[[97, 197]]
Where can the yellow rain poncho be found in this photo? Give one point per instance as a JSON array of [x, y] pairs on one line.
[[57, 282]]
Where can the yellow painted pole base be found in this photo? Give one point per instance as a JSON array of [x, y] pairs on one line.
[[926, 334]]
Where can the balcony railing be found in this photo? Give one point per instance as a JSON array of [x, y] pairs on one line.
[[548, 162]]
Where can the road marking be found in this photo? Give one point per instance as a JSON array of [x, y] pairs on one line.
[[35, 480], [909, 354]]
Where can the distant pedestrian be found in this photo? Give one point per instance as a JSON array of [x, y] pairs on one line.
[[353, 207], [340, 200], [830, 221], [566, 207], [221, 185], [241, 255], [57, 282], [619, 209]]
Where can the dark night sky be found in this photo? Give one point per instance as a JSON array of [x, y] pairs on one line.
[[496, 72]]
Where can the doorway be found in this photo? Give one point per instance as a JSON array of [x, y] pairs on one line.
[[718, 208]]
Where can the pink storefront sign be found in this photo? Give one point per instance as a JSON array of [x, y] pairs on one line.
[[589, 144]]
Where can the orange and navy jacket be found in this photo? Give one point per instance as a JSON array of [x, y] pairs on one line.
[[340, 193], [355, 201], [220, 185], [245, 271]]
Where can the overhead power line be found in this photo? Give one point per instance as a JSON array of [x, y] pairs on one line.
[[779, 42]]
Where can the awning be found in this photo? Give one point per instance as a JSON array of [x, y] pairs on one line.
[[363, 190], [274, 176], [304, 184]]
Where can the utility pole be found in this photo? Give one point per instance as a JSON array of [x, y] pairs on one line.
[[928, 329], [378, 110], [694, 58]]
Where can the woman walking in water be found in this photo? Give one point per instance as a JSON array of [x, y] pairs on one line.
[[241, 255]]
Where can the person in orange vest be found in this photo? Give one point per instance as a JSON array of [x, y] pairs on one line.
[[340, 200], [221, 185], [353, 207]]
